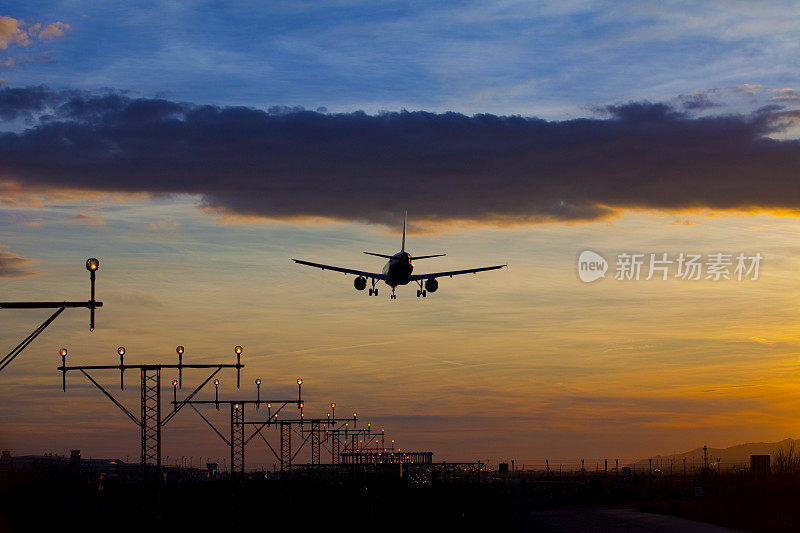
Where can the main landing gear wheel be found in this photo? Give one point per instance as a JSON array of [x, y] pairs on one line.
[[373, 292], [421, 293]]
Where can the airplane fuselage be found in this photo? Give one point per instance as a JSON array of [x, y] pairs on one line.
[[398, 269]]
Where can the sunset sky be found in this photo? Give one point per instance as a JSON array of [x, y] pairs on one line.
[[196, 147]]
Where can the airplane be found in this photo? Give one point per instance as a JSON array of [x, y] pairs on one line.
[[398, 271]]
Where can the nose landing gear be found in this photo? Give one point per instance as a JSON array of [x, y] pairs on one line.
[[394, 296]]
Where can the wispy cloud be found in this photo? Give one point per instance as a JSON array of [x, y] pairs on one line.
[[786, 95], [750, 88], [14, 266], [698, 100], [86, 218], [164, 224], [316, 350]]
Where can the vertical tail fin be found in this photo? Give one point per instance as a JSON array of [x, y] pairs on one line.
[[405, 216]]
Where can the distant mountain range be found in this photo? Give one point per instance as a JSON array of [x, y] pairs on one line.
[[739, 454]]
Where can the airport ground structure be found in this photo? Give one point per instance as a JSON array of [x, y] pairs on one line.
[[62, 491]]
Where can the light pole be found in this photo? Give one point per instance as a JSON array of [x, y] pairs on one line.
[[121, 353], [179, 350], [238, 350], [63, 353], [258, 394], [92, 265]]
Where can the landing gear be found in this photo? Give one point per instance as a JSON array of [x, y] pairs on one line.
[[421, 291], [394, 296], [373, 291]]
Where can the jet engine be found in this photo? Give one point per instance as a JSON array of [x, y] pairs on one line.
[[431, 285], [360, 283]]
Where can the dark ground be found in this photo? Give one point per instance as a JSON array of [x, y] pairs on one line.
[[600, 520], [386, 503], [300, 505]]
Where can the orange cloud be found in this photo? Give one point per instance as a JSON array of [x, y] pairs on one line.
[[51, 31], [12, 32], [785, 95], [749, 88], [17, 32], [13, 194]]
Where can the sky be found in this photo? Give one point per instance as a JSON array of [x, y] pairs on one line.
[[196, 147]]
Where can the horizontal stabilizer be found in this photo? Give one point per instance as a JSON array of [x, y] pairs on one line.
[[426, 256], [379, 255]]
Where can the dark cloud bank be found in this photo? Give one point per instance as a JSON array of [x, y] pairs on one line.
[[291, 162]]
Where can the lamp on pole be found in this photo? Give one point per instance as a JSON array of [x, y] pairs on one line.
[[238, 350], [92, 265], [63, 353], [179, 351], [121, 353]]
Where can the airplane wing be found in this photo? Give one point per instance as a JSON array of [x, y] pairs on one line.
[[452, 273], [372, 275]]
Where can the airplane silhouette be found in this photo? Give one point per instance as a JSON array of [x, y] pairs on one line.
[[398, 271]]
